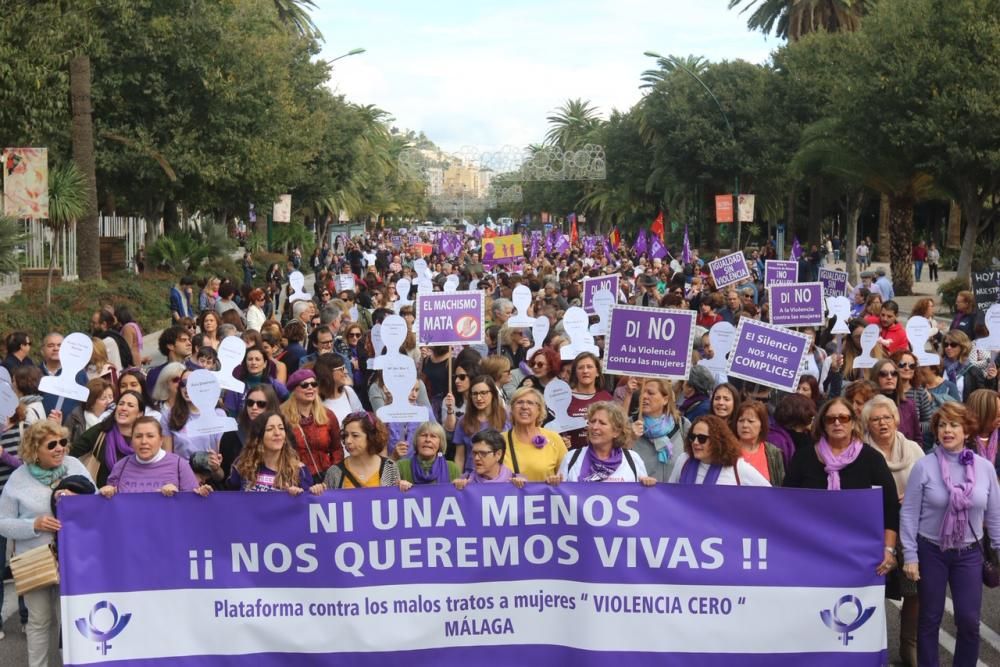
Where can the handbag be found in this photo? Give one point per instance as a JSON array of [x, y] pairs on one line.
[[991, 572], [92, 459], [34, 569]]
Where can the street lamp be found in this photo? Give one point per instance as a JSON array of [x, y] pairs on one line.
[[732, 135], [352, 52]]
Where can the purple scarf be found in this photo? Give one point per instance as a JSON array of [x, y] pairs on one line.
[[115, 447], [834, 463], [690, 401], [595, 469], [505, 475], [989, 452], [438, 473], [689, 473], [960, 498]]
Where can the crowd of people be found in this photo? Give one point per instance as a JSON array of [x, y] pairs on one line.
[[926, 435]]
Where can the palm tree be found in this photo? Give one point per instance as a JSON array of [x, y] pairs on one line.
[[792, 19], [669, 64], [571, 123], [68, 202], [295, 13]]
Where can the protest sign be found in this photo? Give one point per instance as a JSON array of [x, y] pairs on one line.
[[297, 282], [839, 307], [74, 355], [203, 389], [768, 355], [503, 250], [231, 352], [869, 339], [521, 298], [729, 269], [592, 285], [834, 282], [450, 318], [558, 397], [580, 574], [780, 272], [604, 302], [723, 208], [798, 305], [986, 288], [650, 342], [720, 337], [346, 282], [576, 324], [919, 329], [745, 207]]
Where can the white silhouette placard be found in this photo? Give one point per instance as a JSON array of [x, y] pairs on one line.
[[869, 339], [451, 283], [203, 390], [399, 374], [991, 342], [297, 282], [602, 302], [720, 336], [558, 396], [839, 306], [539, 331], [521, 298], [918, 330], [74, 355], [392, 333], [576, 323], [346, 282], [232, 349], [403, 293]]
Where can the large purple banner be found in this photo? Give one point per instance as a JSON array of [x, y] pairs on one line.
[[650, 342], [582, 574], [450, 318]]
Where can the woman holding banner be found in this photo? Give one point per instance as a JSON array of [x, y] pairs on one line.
[[269, 461], [485, 410], [488, 451], [660, 429], [712, 456], [952, 501], [426, 463], [532, 452], [365, 437], [841, 460], [150, 468], [605, 457]]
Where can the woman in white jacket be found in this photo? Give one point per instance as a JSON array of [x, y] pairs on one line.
[[712, 455]]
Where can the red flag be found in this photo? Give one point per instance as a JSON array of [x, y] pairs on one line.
[[657, 227], [574, 236], [615, 238]]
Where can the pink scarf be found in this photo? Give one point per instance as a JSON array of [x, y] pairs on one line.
[[834, 463], [959, 498], [990, 451]]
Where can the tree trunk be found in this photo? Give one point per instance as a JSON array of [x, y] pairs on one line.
[[171, 220], [901, 244], [88, 242], [972, 208], [882, 240], [790, 215], [815, 213], [954, 240], [852, 212]]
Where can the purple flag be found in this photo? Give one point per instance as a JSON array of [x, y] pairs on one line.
[[477, 233], [588, 244], [562, 244], [550, 242], [686, 252], [796, 249], [535, 239], [640, 242], [656, 249]]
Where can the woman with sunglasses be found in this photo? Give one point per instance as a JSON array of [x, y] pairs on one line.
[[259, 400], [966, 375], [177, 435], [659, 429], [456, 401], [335, 387], [426, 463], [352, 348], [606, 456], [256, 311], [26, 517], [269, 462], [841, 460], [365, 438], [101, 446], [911, 385], [165, 392], [886, 376], [951, 505], [315, 429], [150, 468], [485, 410], [545, 365], [712, 456], [532, 452]]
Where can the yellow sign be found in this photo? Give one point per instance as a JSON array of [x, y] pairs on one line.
[[503, 249]]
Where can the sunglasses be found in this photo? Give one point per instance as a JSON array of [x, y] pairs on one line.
[[888, 374], [907, 365], [700, 438], [309, 384], [62, 442], [461, 376], [538, 364], [182, 384], [354, 335], [951, 344], [832, 419], [250, 403]]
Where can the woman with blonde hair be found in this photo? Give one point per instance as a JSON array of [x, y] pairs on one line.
[[957, 367], [533, 452], [26, 517], [606, 456], [315, 429], [659, 429], [164, 394], [100, 365]]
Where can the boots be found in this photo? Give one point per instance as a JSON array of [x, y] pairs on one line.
[[908, 630]]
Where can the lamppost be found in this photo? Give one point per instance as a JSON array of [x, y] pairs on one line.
[[352, 52], [732, 135]]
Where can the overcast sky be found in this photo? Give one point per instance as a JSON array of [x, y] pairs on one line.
[[486, 73]]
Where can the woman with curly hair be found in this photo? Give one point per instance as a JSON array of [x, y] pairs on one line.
[[269, 461], [365, 438], [712, 456]]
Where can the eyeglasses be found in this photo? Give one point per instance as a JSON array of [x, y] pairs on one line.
[[906, 365], [888, 374], [62, 442], [481, 394], [700, 438], [250, 403], [879, 420], [324, 343], [525, 401], [951, 344], [309, 384], [479, 453], [833, 419]]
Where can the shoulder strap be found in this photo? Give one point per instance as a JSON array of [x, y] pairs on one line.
[[736, 471], [349, 475], [309, 450], [513, 454], [574, 457], [631, 464]]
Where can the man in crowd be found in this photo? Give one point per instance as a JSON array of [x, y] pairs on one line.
[[175, 345]]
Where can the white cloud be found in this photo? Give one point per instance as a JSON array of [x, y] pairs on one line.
[[488, 73]]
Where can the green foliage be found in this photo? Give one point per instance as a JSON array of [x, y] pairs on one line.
[[949, 291], [146, 296], [293, 235], [187, 251], [11, 240], [67, 195], [256, 242]]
